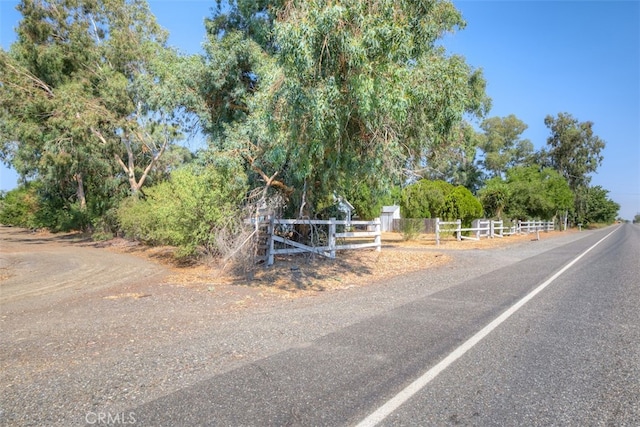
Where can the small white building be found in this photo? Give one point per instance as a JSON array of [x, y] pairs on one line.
[[389, 213]]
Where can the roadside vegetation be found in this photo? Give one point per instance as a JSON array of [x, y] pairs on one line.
[[297, 102]]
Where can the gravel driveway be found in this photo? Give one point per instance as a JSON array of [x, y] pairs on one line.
[[86, 331]]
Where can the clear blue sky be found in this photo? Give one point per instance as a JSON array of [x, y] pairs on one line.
[[539, 58]]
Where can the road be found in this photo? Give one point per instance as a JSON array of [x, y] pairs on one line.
[[569, 355]]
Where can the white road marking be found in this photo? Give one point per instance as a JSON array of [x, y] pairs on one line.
[[394, 403]]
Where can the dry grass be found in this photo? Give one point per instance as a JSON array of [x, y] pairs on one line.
[[296, 275]]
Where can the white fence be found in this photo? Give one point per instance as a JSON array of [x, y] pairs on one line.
[[490, 228], [533, 226], [331, 241]]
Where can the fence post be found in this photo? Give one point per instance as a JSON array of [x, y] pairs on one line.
[[437, 231], [459, 229], [332, 238], [270, 231], [491, 229], [378, 238]]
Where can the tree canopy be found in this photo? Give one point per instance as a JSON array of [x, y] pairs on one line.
[[355, 93], [502, 146], [527, 192], [84, 98], [307, 100]]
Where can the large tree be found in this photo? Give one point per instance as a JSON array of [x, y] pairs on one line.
[[356, 92], [575, 152], [85, 94], [503, 146]]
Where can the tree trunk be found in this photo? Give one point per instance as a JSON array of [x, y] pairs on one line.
[[80, 192]]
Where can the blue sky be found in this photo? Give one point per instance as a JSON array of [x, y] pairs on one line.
[[539, 58]]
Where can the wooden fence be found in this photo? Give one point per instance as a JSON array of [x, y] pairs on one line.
[[489, 228], [328, 242]]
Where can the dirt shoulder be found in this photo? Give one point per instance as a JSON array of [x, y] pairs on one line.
[[41, 263]]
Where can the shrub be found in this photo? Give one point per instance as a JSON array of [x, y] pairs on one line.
[[461, 204], [424, 199], [19, 207], [188, 210]]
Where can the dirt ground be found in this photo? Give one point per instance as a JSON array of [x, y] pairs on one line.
[[298, 275], [55, 262]]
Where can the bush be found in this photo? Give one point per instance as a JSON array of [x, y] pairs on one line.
[[424, 199], [461, 204], [19, 207], [188, 211], [439, 199], [411, 228]]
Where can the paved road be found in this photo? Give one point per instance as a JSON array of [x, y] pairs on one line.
[[569, 356]]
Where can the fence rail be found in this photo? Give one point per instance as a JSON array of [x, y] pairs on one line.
[[490, 228], [330, 245]]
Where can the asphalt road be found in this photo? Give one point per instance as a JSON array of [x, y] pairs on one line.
[[569, 356]]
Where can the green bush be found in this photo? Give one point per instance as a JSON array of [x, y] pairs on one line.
[[424, 199], [19, 207], [439, 199], [188, 210], [461, 204]]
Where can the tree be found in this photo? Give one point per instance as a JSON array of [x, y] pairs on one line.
[[527, 192], [494, 197], [357, 92], [599, 208], [502, 146], [455, 161], [84, 95], [574, 151]]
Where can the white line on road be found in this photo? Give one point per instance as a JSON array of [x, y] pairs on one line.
[[394, 403]]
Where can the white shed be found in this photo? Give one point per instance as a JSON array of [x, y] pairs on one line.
[[389, 213]]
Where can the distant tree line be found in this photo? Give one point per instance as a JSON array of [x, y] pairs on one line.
[[298, 102]]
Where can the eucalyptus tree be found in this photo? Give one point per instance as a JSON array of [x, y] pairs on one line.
[[344, 93], [503, 146], [85, 94], [574, 150]]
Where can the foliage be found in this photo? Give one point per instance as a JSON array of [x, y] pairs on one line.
[[439, 199], [599, 209], [19, 207], [86, 97], [424, 199], [34, 205], [189, 210], [411, 228], [355, 93], [575, 152], [636, 219], [495, 197], [455, 160], [527, 192], [502, 146], [460, 204]]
